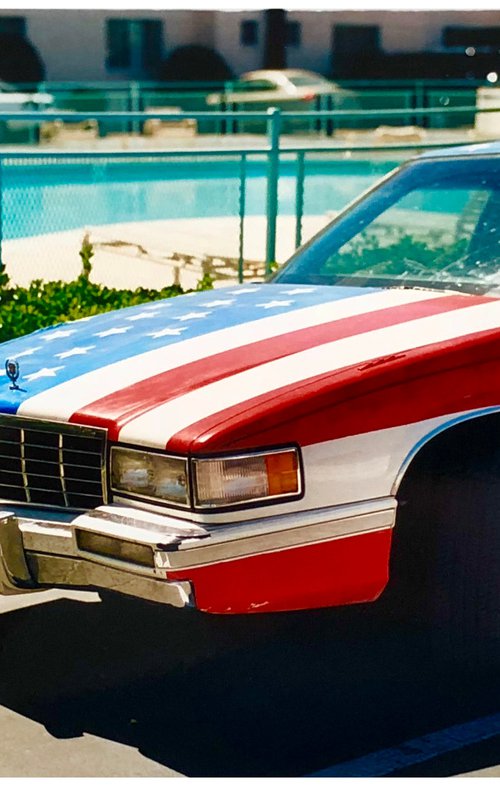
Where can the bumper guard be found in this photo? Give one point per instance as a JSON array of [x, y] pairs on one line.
[[39, 551]]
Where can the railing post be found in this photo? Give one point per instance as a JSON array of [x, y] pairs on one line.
[[331, 104], [273, 163], [2, 267], [299, 197], [242, 209], [134, 103]]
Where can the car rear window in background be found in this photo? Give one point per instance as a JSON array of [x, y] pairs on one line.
[[307, 81]]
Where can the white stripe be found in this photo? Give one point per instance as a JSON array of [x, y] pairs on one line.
[[156, 427], [61, 401], [352, 470]]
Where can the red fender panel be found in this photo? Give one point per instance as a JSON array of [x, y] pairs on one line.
[[343, 571]]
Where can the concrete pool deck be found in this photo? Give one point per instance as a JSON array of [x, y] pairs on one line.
[[153, 254]]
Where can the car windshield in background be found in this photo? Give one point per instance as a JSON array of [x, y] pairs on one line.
[[435, 224]]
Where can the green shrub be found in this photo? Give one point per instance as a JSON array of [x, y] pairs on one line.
[[26, 309]]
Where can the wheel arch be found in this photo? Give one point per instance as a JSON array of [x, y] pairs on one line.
[[477, 421]]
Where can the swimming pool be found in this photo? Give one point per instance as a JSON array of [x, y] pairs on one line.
[[51, 195]]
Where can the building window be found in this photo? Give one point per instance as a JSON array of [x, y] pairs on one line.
[[485, 38], [293, 34], [356, 39], [134, 44], [13, 25], [249, 32]]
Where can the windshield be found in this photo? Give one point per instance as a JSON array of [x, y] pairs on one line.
[[435, 223]]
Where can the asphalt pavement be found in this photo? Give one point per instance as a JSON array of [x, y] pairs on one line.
[[120, 688]]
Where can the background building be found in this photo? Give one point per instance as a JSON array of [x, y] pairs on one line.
[[81, 45]]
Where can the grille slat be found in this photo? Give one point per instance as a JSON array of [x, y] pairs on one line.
[[52, 463]]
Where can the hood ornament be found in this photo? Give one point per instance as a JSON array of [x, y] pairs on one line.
[[12, 372]]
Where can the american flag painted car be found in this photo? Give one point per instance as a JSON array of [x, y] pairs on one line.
[[286, 445]]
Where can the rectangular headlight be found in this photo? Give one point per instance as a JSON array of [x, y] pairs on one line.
[[149, 475], [231, 480]]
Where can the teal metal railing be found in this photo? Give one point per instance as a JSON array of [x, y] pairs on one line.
[[136, 96]]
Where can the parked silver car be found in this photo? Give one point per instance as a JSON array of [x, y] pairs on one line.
[[13, 100], [291, 90]]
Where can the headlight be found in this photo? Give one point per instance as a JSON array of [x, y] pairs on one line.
[[150, 475], [216, 481], [241, 479]]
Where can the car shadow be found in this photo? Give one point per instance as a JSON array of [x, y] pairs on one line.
[[275, 695]]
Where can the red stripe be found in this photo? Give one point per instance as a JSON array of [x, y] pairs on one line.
[[117, 409], [447, 377], [344, 571]]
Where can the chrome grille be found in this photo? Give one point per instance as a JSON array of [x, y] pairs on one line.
[[45, 463]]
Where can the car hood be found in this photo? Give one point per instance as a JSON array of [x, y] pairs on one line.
[[154, 372]]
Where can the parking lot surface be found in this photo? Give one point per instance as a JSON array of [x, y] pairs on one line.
[[118, 688]]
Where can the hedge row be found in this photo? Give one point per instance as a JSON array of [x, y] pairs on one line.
[[26, 309]]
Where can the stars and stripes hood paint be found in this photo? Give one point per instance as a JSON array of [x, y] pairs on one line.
[[179, 372]]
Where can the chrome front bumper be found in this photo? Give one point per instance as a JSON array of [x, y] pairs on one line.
[[39, 549], [45, 548]]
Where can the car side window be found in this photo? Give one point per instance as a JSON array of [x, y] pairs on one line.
[[256, 84]]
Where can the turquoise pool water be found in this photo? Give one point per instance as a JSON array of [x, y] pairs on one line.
[[49, 197]]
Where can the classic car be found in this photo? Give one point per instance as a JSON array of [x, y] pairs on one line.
[[327, 438], [13, 100], [288, 89]]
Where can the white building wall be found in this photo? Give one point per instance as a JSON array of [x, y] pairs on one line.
[[416, 31], [400, 31], [72, 43], [227, 40]]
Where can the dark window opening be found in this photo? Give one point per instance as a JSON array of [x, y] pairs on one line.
[[13, 25], [480, 37], [354, 39], [249, 32], [134, 44], [152, 42], [293, 34]]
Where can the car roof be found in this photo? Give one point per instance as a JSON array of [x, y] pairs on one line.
[[288, 72], [478, 149]]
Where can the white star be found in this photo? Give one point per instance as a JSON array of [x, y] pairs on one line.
[[220, 303], [57, 335], [112, 331], [192, 316], [167, 332], [27, 352], [141, 316], [299, 290], [273, 304], [75, 351], [43, 373]]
